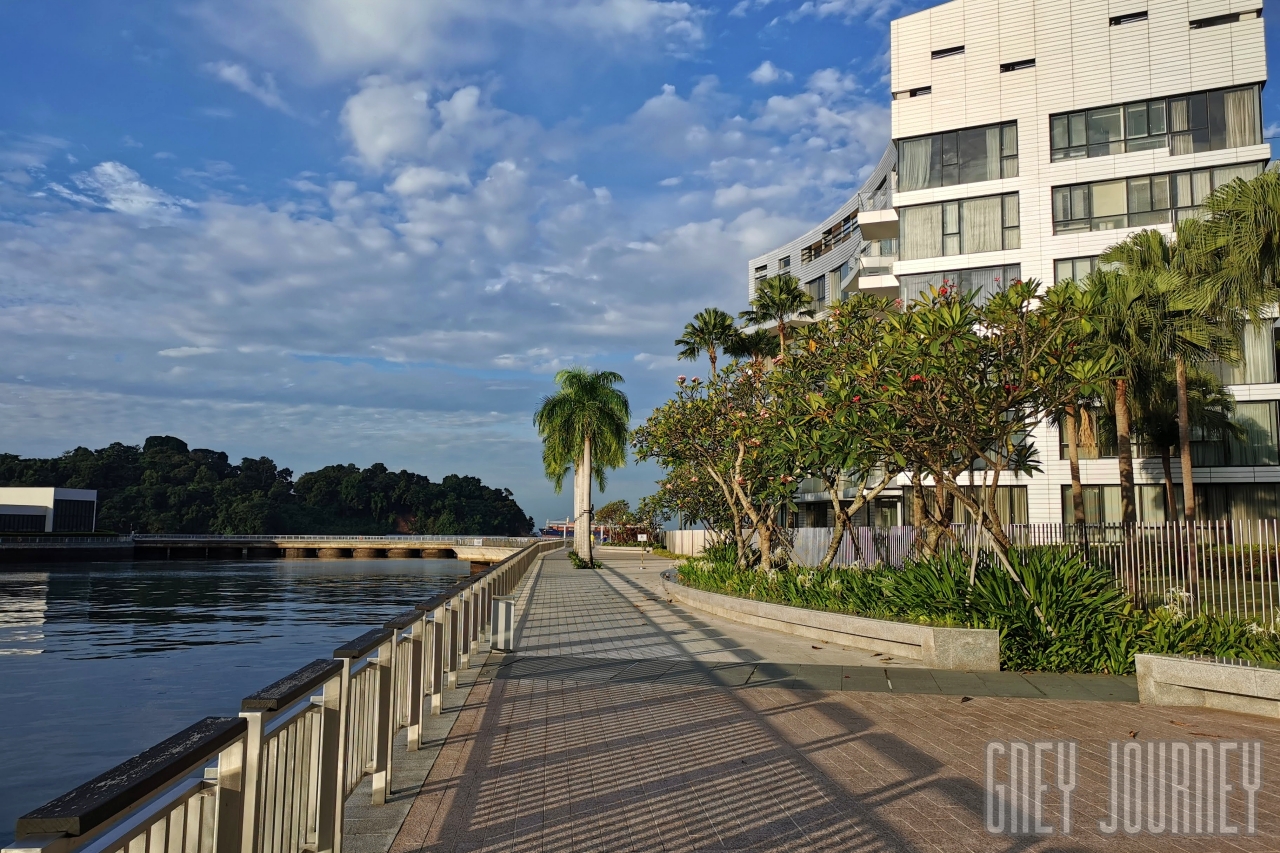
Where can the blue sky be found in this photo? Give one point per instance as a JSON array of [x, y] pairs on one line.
[[372, 230]]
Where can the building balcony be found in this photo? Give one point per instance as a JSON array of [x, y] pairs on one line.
[[879, 224]]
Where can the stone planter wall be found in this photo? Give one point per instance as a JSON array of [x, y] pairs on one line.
[[1208, 683], [970, 649]]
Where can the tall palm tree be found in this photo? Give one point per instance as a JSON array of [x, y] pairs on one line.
[[584, 425], [756, 346], [1243, 232], [1176, 268], [777, 299], [1128, 322], [1157, 412], [712, 330]]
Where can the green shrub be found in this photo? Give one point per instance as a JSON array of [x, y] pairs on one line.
[[1086, 623], [578, 563]]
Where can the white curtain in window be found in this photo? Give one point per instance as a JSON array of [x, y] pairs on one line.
[[1108, 198], [1226, 174], [913, 171], [1242, 117], [982, 282], [921, 232], [1259, 446], [980, 225], [993, 153], [1259, 353], [915, 286], [1252, 501]]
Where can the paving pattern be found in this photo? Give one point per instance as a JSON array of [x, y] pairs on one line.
[[620, 734]]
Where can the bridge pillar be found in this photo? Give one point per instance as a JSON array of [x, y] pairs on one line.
[[367, 553], [404, 553], [333, 553]]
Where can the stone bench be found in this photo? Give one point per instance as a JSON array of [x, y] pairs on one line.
[[1223, 683], [969, 649]]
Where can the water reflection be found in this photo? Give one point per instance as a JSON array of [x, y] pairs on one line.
[[22, 611], [99, 661]]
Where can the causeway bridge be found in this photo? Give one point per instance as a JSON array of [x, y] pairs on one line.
[[478, 550], [539, 707], [483, 550]]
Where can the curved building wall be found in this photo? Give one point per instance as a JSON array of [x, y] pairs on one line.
[[823, 252]]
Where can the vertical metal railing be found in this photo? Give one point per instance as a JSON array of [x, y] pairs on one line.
[[1230, 568], [275, 779]]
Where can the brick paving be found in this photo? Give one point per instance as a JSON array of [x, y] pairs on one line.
[[566, 758]]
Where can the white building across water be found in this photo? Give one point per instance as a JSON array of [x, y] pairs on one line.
[[47, 510], [1027, 138]]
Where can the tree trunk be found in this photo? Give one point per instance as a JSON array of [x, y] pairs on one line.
[[1170, 497], [1188, 481], [1124, 450], [582, 512], [711, 354], [1071, 424], [1184, 442]]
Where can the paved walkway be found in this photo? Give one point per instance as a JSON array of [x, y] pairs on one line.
[[610, 729]]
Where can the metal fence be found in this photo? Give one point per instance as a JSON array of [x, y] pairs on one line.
[[274, 779]]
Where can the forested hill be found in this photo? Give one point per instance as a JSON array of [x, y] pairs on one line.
[[166, 487]]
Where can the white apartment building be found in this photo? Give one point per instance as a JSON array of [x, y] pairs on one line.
[[1028, 136]]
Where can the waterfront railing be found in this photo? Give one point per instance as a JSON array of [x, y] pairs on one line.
[[274, 779]]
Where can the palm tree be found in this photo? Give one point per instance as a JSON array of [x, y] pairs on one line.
[[757, 345], [778, 298], [1157, 411], [1177, 269], [1243, 232], [1128, 322], [584, 425], [711, 330]]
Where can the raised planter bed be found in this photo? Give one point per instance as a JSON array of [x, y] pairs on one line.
[[969, 649], [1222, 683]]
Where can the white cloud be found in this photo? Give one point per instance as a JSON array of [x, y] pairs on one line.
[[416, 180], [767, 73], [186, 352], [391, 122], [117, 187], [267, 92], [334, 37]]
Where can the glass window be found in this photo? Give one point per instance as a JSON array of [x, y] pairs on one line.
[[1260, 444], [1074, 268], [963, 227], [958, 157], [1203, 121], [984, 281], [1141, 201]]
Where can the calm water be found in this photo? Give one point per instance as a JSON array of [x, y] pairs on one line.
[[98, 661]]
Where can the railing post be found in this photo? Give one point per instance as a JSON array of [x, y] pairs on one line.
[[383, 722], [344, 734], [438, 617], [229, 799], [416, 665], [464, 649], [329, 796], [252, 781], [453, 643]]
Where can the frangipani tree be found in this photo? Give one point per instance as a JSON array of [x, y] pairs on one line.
[[584, 426]]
